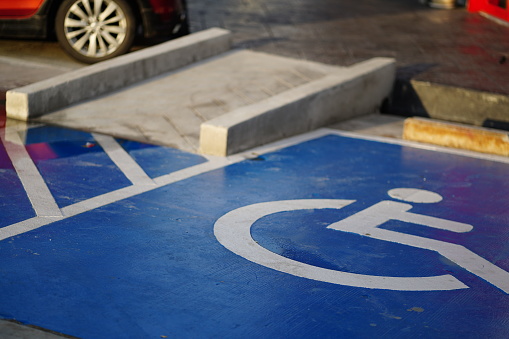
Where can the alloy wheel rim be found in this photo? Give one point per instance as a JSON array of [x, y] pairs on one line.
[[95, 28]]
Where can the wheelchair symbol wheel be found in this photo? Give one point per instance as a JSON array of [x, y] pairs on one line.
[[233, 231]]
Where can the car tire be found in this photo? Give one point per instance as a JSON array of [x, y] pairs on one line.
[[184, 25], [183, 29], [95, 30]]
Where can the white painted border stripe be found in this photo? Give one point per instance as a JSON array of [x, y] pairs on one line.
[[111, 197], [328, 131], [35, 187], [26, 226], [131, 169], [414, 144], [213, 164], [127, 192]]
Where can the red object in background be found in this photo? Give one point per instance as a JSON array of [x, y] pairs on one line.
[[163, 8], [497, 8], [19, 8]]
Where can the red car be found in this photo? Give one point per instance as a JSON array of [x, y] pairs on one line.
[[93, 30]]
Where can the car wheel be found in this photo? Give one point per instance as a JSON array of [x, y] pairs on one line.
[[95, 30]]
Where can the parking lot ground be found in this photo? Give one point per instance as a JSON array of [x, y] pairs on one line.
[[451, 64], [328, 234]]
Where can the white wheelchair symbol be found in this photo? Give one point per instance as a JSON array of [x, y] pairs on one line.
[[233, 231]]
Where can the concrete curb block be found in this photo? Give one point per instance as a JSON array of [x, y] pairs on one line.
[[61, 91], [455, 104], [462, 105], [14, 330], [477, 139], [354, 91]]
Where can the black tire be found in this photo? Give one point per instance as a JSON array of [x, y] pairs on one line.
[[183, 30], [184, 25], [92, 34]]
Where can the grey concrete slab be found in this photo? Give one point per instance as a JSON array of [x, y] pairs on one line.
[[351, 92], [380, 125], [43, 52], [13, 330], [440, 48], [169, 109], [16, 72], [463, 105], [61, 91]]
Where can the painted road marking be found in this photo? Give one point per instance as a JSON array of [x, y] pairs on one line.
[[366, 223], [123, 160], [43, 202], [42, 195], [159, 249], [37, 191], [212, 164], [109, 198], [233, 231]]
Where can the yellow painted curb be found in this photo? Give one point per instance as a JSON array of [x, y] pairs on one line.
[[457, 136]]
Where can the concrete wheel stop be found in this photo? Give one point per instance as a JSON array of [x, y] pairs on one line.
[[454, 135], [198, 95]]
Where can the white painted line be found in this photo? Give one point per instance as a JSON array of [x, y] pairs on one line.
[[213, 164], [127, 192], [321, 132], [193, 171], [109, 198], [123, 160], [26, 226], [114, 196], [277, 145], [105, 199], [37, 191], [414, 144], [233, 231]]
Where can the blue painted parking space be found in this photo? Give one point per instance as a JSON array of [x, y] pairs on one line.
[[73, 165], [325, 236], [76, 167], [14, 201]]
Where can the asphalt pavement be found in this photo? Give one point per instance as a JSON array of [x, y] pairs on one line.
[[448, 60], [451, 63], [448, 47]]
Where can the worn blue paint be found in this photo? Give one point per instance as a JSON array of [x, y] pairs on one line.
[[51, 134], [158, 160], [14, 204], [73, 165], [150, 265], [76, 168]]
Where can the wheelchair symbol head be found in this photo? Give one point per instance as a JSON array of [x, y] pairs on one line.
[[415, 195]]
